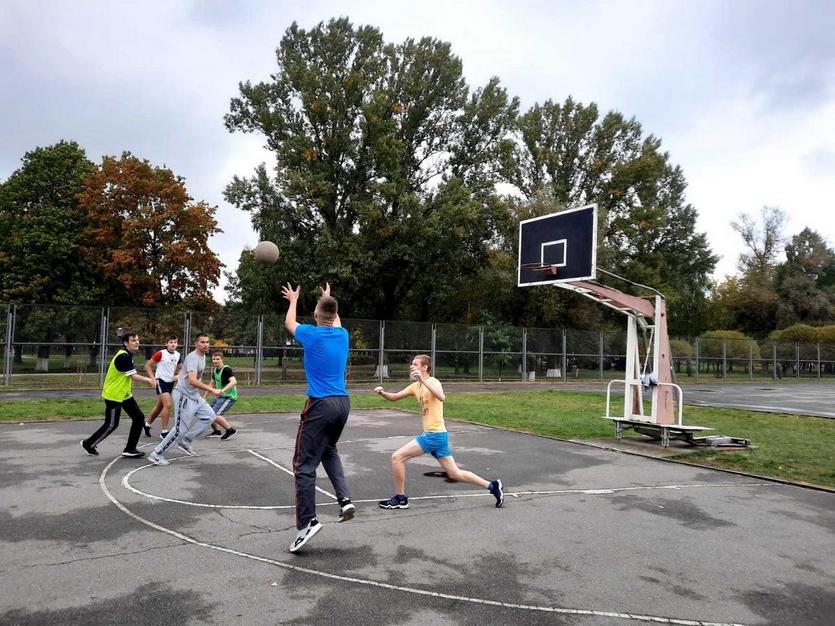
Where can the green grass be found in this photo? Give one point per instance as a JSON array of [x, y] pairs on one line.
[[788, 447]]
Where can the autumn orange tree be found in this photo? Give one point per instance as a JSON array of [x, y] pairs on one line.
[[148, 237]]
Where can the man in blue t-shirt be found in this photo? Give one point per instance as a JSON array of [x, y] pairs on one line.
[[325, 412]]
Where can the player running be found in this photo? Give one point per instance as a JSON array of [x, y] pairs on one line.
[[434, 440]]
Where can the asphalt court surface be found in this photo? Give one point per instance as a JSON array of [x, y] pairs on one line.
[[587, 536]]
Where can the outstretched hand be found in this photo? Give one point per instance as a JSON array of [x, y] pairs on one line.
[[326, 290], [289, 293]]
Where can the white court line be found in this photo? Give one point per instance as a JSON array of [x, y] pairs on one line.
[[284, 469], [467, 494], [410, 590]]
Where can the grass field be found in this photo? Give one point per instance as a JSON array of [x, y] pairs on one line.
[[788, 447]]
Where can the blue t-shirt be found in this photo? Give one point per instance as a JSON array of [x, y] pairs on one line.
[[325, 359]]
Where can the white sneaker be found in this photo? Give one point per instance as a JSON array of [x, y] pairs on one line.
[[157, 460], [306, 534]]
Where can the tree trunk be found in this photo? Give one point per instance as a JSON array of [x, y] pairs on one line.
[[42, 364]]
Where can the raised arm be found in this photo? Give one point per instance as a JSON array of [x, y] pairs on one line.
[[292, 296], [326, 291], [432, 384]]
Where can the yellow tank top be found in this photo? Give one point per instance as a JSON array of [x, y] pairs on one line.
[[431, 409]]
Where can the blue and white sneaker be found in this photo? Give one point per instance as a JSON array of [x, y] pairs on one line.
[[305, 535], [395, 502], [157, 460], [496, 488]]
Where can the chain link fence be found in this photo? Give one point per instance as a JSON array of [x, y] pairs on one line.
[[71, 346]]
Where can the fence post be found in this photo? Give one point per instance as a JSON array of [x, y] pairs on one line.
[[697, 360], [819, 359], [104, 332], [774, 361], [750, 360], [724, 358], [382, 350], [187, 330], [259, 350], [797, 359], [524, 354], [432, 347], [600, 362], [481, 354], [564, 357], [9, 351]]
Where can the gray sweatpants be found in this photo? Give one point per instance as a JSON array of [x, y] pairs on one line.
[[192, 416], [320, 427]]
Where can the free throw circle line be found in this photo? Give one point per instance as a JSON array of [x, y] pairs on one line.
[[380, 585]]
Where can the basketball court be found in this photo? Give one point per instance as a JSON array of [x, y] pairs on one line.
[[587, 536]]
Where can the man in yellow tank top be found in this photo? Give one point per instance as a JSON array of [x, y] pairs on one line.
[[434, 440]]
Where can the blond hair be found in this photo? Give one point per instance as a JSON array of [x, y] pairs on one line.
[[426, 360]]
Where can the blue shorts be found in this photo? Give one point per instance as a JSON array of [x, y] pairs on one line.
[[164, 387], [221, 404], [436, 444]]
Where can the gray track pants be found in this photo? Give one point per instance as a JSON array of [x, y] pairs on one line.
[[191, 418], [320, 427]]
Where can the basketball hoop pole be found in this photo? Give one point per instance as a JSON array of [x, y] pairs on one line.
[[560, 249], [639, 312]]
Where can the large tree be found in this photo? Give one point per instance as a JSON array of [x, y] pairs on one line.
[[568, 155], [749, 302], [803, 281], [384, 164], [44, 228], [148, 236]]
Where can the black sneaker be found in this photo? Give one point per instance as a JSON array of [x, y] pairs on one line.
[[134, 454], [214, 433], [346, 510], [90, 451], [305, 535], [229, 432], [163, 434], [147, 429], [496, 488], [395, 502]]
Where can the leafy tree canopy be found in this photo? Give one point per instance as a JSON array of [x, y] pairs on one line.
[[44, 228], [148, 236], [384, 164]]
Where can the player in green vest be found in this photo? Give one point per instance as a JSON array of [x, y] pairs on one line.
[[117, 394], [224, 379]]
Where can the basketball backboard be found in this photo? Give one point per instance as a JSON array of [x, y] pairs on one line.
[[558, 248]]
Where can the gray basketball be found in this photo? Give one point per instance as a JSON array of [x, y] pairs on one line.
[[266, 252]]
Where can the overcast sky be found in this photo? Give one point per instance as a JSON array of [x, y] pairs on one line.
[[742, 93]]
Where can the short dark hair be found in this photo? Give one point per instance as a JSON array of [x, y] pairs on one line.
[[127, 334], [198, 335], [218, 353], [170, 337], [327, 307]]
